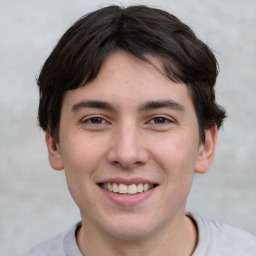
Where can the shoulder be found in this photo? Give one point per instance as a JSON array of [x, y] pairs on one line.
[[51, 247], [61, 245], [218, 238]]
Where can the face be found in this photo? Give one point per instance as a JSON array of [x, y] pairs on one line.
[[129, 144]]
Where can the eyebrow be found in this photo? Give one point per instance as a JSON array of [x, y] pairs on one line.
[[91, 104], [150, 105]]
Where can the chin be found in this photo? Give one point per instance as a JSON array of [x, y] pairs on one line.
[[130, 235], [130, 229]]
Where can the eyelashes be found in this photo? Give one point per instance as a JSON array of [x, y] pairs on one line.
[[160, 120], [95, 120]]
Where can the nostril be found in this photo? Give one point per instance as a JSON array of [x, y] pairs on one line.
[[126, 165]]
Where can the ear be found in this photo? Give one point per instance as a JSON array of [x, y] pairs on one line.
[[54, 155], [206, 150]]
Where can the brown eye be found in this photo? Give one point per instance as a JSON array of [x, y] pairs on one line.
[[95, 123], [96, 120], [159, 120]]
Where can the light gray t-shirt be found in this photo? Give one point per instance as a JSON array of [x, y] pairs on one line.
[[214, 239]]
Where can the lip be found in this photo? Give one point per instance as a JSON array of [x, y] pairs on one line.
[[127, 199]]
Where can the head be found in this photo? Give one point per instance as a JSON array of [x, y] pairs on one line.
[[141, 31], [127, 102]]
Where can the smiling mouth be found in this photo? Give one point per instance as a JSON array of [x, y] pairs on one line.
[[131, 189]]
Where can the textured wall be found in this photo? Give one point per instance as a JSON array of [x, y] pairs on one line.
[[34, 202]]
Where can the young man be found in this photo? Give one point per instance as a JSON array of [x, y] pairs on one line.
[[128, 106]]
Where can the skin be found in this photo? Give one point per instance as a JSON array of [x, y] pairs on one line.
[[125, 139]]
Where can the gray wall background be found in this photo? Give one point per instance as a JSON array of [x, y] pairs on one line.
[[34, 201]]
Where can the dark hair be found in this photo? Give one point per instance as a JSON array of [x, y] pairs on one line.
[[140, 30]]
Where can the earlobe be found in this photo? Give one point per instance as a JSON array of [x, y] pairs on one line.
[[206, 150], [54, 155]]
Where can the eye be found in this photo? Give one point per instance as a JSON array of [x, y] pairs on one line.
[[95, 120], [160, 123], [95, 123], [159, 120]]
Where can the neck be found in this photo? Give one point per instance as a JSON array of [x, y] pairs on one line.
[[177, 239]]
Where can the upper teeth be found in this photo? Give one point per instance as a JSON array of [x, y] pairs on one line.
[[127, 189]]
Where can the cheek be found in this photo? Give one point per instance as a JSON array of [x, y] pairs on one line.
[[178, 155], [80, 160], [81, 153]]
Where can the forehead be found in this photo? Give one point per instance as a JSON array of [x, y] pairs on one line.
[[124, 78]]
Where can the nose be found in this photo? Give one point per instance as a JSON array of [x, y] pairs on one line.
[[127, 150]]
